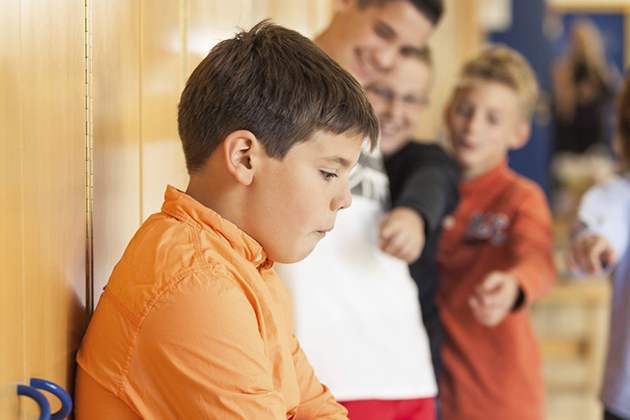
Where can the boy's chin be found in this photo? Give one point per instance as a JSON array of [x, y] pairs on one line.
[[390, 146], [293, 257]]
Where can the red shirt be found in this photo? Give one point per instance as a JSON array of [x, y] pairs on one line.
[[194, 324], [502, 223]]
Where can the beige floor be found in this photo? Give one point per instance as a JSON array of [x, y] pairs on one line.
[[572, 326]]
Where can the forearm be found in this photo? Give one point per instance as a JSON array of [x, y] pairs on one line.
[[432, 192]]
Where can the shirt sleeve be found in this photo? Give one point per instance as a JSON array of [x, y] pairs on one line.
[[605, 210], [431, 187], [200, 354], [532, 245], [316, 400]]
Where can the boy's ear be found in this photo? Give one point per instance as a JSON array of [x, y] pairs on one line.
[[239, 151], [521, 136]]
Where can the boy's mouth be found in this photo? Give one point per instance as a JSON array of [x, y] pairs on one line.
[[324, 232], [466, 143], [389, 129], [364, 69]]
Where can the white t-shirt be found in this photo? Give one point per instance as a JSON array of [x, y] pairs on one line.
[[357, 314]]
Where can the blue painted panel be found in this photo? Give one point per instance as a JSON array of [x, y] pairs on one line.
[[526, 35]]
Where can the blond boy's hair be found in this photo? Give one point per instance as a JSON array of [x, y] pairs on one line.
[[507, 66]]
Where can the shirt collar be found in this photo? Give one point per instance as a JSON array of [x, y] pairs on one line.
[[487, 180], [185, 208]]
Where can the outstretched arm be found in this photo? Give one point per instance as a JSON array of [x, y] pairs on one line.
[[424, 182], [402, 234], [494, 298]]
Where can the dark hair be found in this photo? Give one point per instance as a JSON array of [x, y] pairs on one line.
[[623, 124], [431, 9], [275, 83]]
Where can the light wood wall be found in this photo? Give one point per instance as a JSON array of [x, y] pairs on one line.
[[42, 195]]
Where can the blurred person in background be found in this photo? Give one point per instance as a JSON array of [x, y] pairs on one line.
[[599, 246], [584, 84]]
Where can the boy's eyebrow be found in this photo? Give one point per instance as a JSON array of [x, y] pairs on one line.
[[408, 50], [388, 30], [340, 160], [390, 33]]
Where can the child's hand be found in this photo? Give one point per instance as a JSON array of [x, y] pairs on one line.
[[494, 298], [402, 234], [590, 254]]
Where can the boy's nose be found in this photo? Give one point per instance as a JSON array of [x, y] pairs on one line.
[[343, 199], [394, 108], [385, 58], [474, 122]]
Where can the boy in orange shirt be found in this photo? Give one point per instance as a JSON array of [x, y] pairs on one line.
[[194, 323], [495, 254]]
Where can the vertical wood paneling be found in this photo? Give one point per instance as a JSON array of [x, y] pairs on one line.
[[214, 20], [53, 189], [11, 297], [116, 127], [162, 156]]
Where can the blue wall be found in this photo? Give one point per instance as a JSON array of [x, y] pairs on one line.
[[526, 35]]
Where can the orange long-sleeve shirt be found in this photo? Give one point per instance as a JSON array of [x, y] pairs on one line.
[[502, 223], [194, 324]]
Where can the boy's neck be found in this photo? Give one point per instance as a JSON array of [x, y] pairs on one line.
[[213, 190], [472, 174]]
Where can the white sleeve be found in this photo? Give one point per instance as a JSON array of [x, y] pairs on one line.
[[605, 210]]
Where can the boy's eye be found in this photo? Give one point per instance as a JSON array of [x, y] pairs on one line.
[[413, 100], [383, 93], [464, 110], [384, 31], [328, 175]]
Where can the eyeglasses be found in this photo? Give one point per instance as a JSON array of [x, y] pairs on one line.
[[388, 95]]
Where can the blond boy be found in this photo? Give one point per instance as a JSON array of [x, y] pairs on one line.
[[194, 323], [495, 254]]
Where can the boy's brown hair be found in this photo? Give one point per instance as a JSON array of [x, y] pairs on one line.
[[623, 125], [506, 66], [277, 84], [431, 9]]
